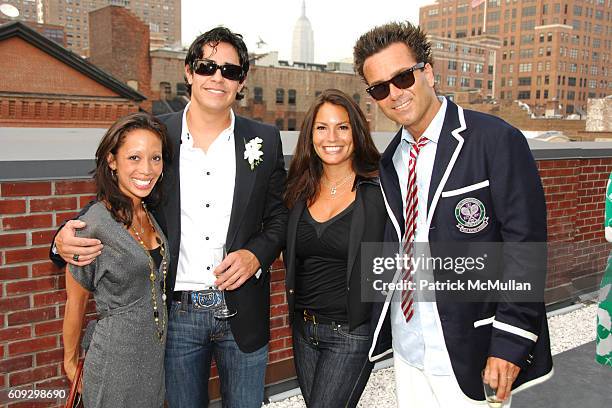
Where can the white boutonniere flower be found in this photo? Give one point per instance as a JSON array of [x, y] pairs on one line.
[[253, 153]]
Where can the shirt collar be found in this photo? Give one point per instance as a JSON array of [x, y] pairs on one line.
[[435, 127], [186, 136]]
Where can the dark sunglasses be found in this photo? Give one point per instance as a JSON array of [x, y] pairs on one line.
[[208, 68], [403, 80]]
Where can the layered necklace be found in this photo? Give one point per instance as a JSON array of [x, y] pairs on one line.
[[334, 185], [160, 323]]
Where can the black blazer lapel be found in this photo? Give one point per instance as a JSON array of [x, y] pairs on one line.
[[356, 234], [245, 179], [172, 185], [447, 144], [390, 181], [292, 223]]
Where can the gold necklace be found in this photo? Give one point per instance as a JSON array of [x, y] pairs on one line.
[[334, 189], [161, 325]]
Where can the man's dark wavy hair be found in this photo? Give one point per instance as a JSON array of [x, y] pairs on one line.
[[213, 38], [379, 38]]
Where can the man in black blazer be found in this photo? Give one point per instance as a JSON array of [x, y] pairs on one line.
[[225, 187], [475, 180]]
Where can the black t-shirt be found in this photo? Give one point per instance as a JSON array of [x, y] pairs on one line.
[[321, 262]]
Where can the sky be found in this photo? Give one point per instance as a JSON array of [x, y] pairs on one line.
[[336, 23]]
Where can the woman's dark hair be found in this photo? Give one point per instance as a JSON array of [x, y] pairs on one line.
[[213, 38], [107, 186], [379, 38], [306, 167]]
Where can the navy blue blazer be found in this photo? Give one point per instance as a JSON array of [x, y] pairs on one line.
[[481, 159]]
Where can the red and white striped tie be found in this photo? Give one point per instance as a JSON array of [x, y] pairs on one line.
[[410, 226]]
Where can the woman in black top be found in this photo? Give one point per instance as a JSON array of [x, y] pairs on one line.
[[336, 204]]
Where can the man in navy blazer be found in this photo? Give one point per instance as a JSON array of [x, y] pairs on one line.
[[476, 181]]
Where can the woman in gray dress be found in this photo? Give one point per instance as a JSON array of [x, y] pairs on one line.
[[124, 364]]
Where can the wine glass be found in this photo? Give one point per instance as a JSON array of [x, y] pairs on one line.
[[223, 312]]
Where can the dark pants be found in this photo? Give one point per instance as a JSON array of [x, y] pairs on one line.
[[194, 337], [332, 363]]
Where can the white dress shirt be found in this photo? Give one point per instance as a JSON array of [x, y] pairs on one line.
[[420, 341], [207, 192]]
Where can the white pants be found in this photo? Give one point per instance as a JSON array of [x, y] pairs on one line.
[[415, 388]]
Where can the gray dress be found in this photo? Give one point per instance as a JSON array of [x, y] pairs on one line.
[[124, 366]]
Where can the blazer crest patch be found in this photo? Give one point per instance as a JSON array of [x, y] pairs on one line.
[[471, 215]]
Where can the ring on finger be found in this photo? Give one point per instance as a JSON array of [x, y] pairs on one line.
[[75, 257]]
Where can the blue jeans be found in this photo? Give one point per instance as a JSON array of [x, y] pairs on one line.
[[331, 363], [194, 337]]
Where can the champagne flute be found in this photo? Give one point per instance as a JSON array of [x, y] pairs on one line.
[[490, 394], [223, 312]]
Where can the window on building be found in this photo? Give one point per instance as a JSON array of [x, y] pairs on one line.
[[490, 84], [291, 97], [451, 80], [524, 81], [258, 94], [528, 11], [356, 98], [280, 96], [465, 67], [452, 65], [571, 81], [465, 82], [280, 122], [291, 124], [478, 83], [524, 95], [165, 90]]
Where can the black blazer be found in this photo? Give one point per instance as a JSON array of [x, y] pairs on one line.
[[480, 158], [257, 223], [368, 223]]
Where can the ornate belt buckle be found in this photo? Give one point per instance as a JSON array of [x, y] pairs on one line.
[[205, 300]]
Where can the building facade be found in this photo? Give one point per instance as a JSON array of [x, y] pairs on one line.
[[553, 56], [44, 85], [162, 16], [466, 65]]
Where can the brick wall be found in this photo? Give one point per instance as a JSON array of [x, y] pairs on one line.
[[575, 190], [119, 45], [24, 68], [32, 289]]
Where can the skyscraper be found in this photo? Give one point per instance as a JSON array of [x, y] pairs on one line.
[[553, 55], [162, 16], [303, 39]]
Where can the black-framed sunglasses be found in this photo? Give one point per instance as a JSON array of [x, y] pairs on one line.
[[208, 68], [403, 80]]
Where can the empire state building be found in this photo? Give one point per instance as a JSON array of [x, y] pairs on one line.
[[303, 41]]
